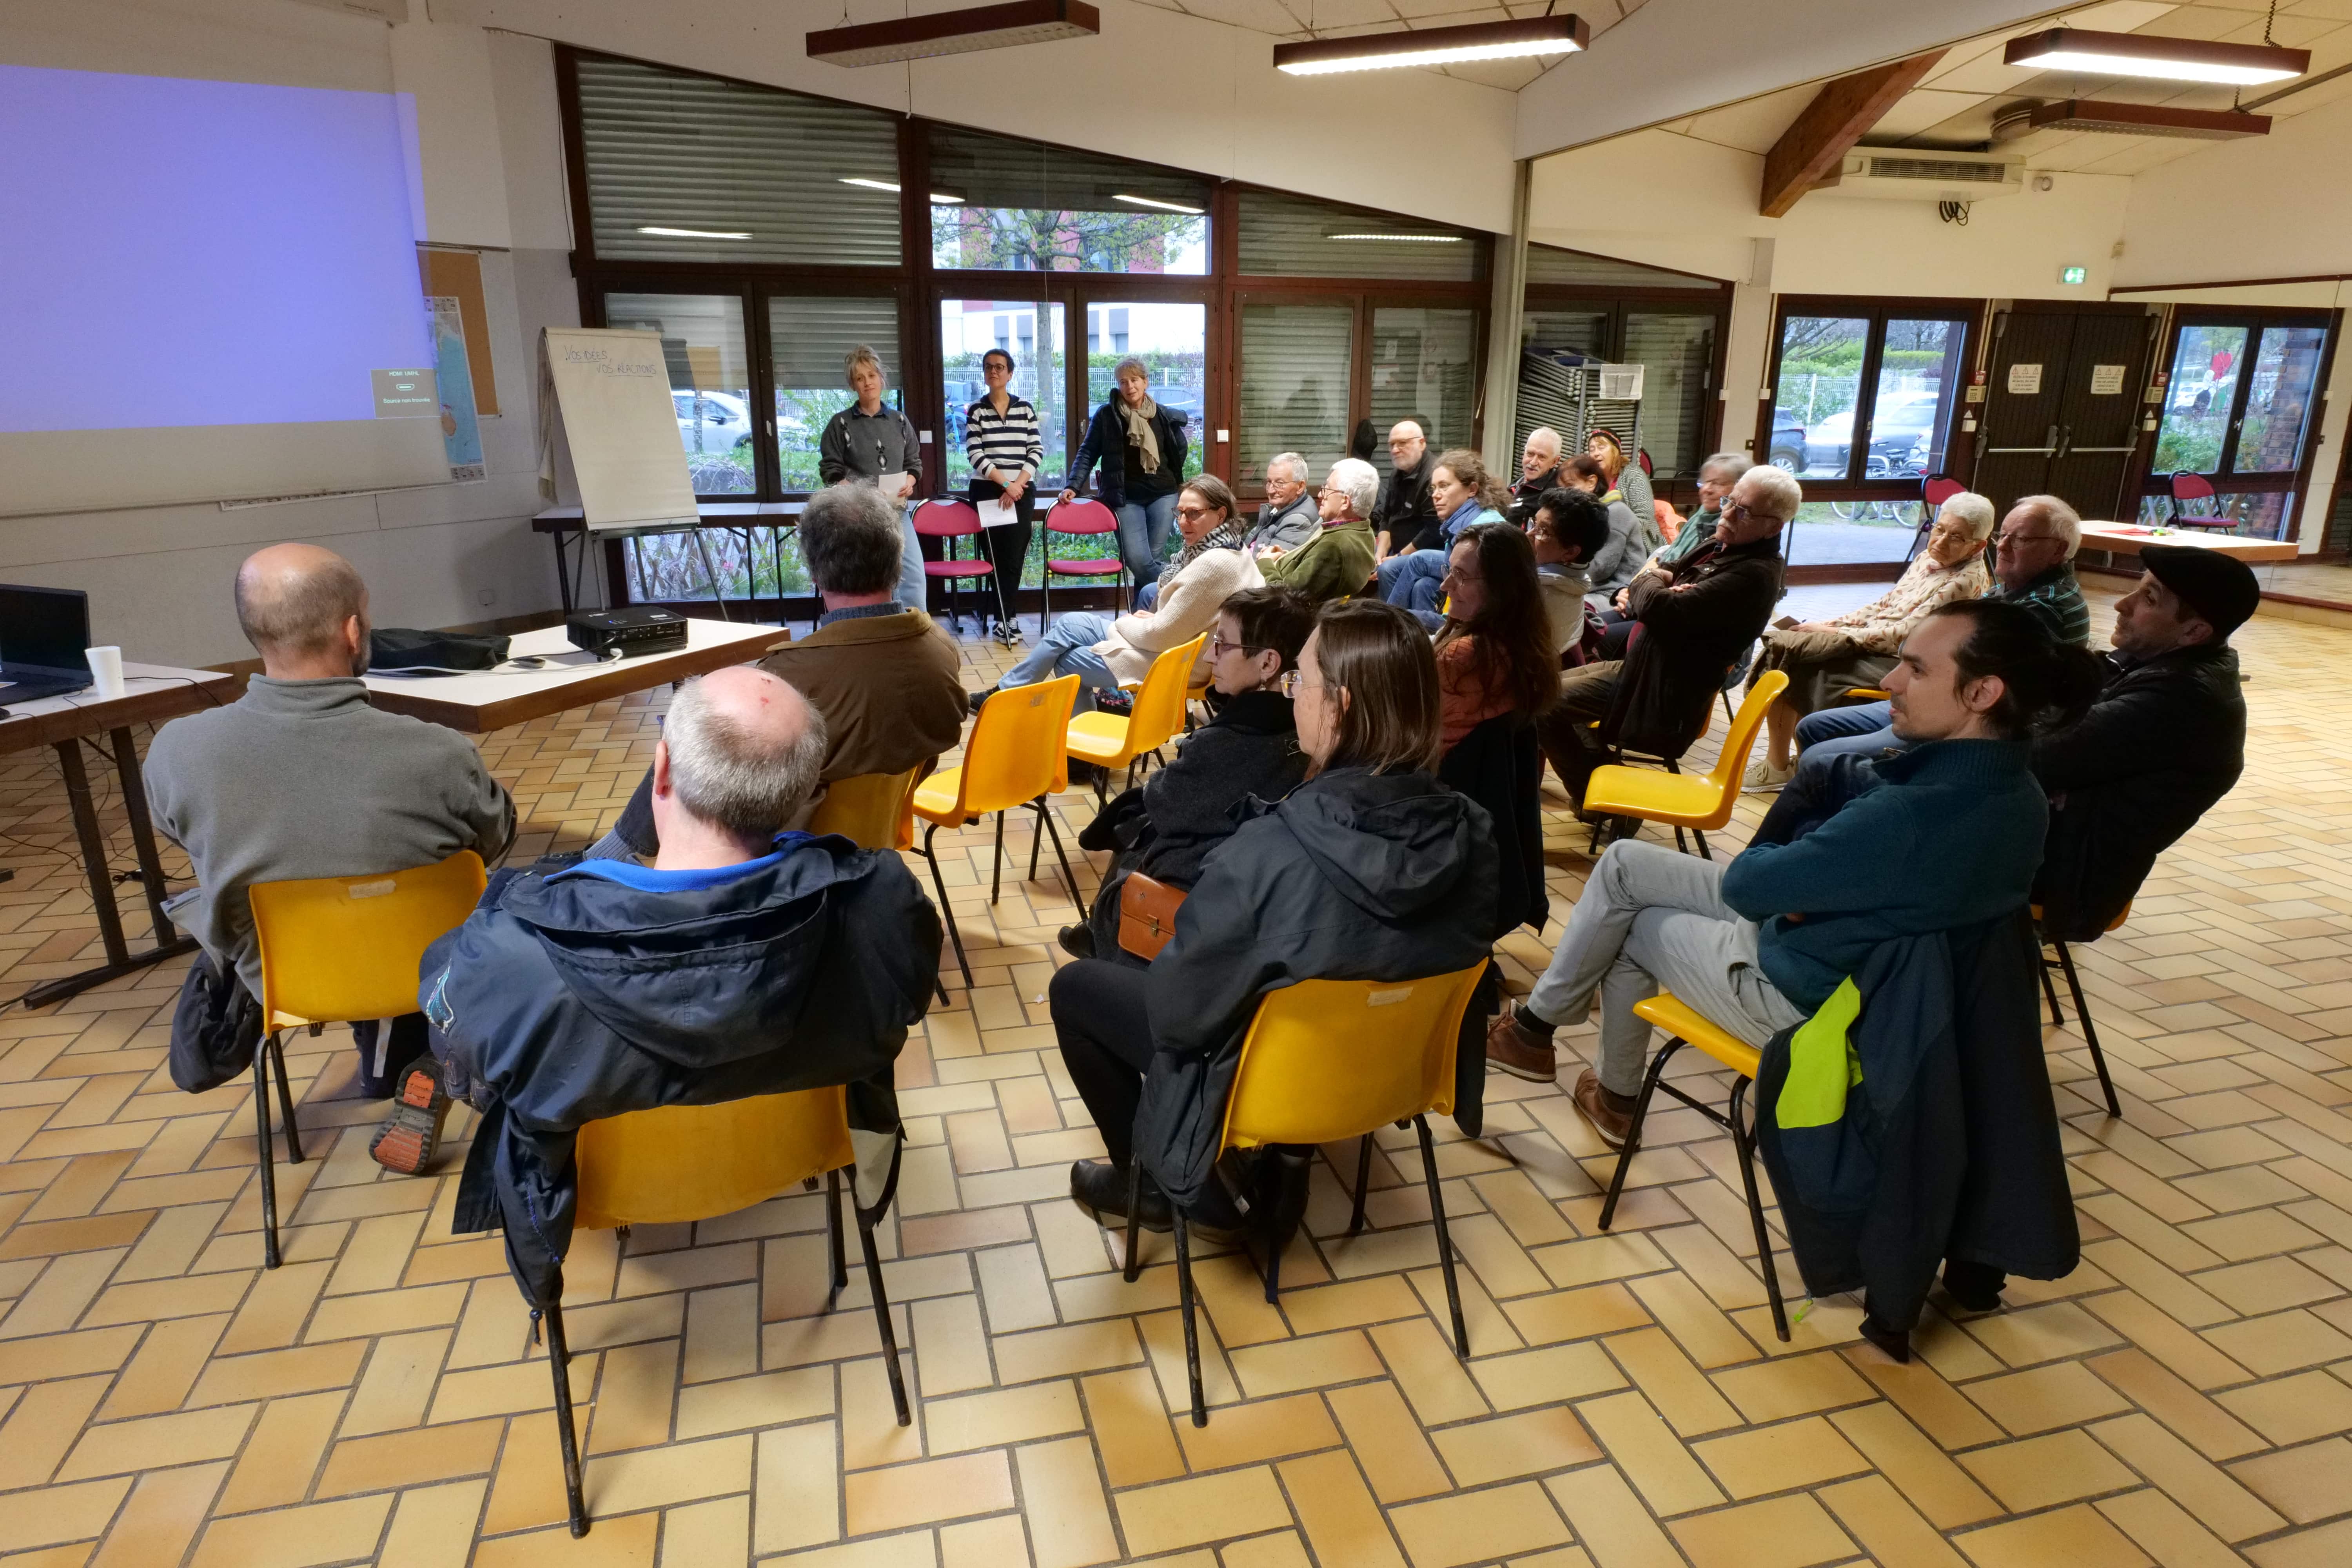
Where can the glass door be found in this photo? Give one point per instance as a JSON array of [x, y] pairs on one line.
[[1172, 338], [1422, 368], [1298, 369], [2239, 403], [1034, 334]]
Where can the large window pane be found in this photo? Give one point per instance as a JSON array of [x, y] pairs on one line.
[[1004, 206], [710, 379], [2278, 401], [687, 167], [2197, 399], [1678, 353], [1812, 411], [1918, 384], [1173, 340], [1579, 331], [1297, 362], [1853, 534], [968, 330], [1422, 365], [2254, 514], [1291, 236], [809, 340]]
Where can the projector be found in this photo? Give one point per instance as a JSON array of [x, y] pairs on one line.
[[627, 632]]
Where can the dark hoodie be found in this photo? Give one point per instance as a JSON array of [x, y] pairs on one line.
[[576, 992], [1355, 876]]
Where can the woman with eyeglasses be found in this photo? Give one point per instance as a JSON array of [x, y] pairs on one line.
[[1001, 442], [1369, 870], [1166, 827], [1494, 654], [1106, 653]]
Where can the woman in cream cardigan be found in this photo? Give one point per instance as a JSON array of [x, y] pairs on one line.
[[1105, 653]]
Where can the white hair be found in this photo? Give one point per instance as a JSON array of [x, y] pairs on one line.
[[1294, 462], [1971, 511], [1358, 481], [1727, 466], [1549, 436], [1780, 492], [727, 775], [2064, 523]]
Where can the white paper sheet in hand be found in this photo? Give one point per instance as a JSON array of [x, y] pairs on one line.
[[997, 513]]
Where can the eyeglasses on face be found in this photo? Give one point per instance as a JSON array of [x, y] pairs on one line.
[[1743, 510], [1294, 681], [1399, 443], [1219, 648], [1194, 511]]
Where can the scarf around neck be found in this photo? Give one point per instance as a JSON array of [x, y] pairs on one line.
[[1142, 434], [1227, 535]]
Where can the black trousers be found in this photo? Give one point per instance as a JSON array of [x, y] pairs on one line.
[[405, 1045], [1105, 1039], [1564, 730], [1006, 549]]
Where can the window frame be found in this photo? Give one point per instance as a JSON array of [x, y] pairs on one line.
[[1877, 310], [2297, 481]]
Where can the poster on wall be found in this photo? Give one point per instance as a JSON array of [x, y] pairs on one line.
[[2106, 380], [461, 427], [2024, 380]]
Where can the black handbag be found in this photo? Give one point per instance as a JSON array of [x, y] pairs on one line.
[[215, 1027]]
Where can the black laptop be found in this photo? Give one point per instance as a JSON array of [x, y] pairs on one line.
[[44, 638]]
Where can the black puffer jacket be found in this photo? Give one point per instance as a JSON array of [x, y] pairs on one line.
[[1357, 876], [1106, 444], [2164, 741], [570, 995], [1695, 626]]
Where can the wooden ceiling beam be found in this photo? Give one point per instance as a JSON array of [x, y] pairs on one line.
[[1840, 115]]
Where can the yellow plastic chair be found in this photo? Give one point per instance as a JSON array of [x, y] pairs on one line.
[[1014, 758], [873, 811], [336, 950], [1680, 800], [2082, 1006], [1326, 1060], [1110, 741], [1867, 694], [1687, 1028], [678, 1163]]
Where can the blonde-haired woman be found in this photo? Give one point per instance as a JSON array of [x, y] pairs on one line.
[[870, 440]]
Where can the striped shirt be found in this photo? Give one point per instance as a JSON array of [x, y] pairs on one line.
[[1006, 442], [2055, 600]]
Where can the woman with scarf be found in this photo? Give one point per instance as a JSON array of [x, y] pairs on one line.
[[1140, 445], [1105, 653]]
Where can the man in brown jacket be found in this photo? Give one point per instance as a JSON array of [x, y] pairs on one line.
[[884, 677]]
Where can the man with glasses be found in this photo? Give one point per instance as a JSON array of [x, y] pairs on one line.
[[2032, 569], [1404, 519], [1289, 518], [1696, 617]]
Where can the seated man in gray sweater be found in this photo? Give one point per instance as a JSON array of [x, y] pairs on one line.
[[299, 777]]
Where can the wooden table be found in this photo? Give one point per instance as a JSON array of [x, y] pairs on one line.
[[154, 692], [479, 701], [2126, 538]]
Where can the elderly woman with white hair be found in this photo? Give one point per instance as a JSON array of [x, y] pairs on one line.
[[1825, 659], [1337, 563]]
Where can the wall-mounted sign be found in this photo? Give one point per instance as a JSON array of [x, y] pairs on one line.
[[2025, 380], [2073, 274]]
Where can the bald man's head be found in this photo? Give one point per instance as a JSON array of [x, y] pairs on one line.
[[298, 603], [744, 750]]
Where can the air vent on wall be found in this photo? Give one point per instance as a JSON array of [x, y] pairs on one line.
[[1926, 175]]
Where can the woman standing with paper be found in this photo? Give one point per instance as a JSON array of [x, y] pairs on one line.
[[869, 440], [1001, 442]]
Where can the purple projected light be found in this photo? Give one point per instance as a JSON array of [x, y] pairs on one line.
[[201, 252]]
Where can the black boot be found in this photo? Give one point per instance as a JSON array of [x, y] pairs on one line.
[[1895, 1343], [1078, 941], [1101, 1185], [1976, 1287]]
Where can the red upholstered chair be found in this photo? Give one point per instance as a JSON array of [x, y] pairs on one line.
[[2195, 489], [1641, 456], [1077, 516], [947, 520], [1934, 491]]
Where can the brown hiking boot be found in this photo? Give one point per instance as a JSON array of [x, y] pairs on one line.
[[1612, 1124], [1518, 1052]]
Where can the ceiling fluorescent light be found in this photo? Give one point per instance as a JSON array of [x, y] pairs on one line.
[[1403, 239], [955, 32], [1156, 202], [939, 198], [2149, 119], [2145, 55], [693, 232], [1434, 47]]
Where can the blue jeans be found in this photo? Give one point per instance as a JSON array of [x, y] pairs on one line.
[[914, 588], [1862, 730], [1148, 596], [1068, 648], [1144, 530], [1415, 580]]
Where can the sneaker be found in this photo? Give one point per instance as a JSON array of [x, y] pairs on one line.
[[1516, 1051], [1763, 778], [975, 700], [411, 1137], [1008, 634]]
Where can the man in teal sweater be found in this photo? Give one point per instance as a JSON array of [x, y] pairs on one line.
[[1952, 836]]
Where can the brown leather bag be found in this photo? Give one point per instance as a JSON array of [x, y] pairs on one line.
[[1147, 914]]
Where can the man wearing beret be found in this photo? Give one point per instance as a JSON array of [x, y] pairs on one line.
[[2164, 741]]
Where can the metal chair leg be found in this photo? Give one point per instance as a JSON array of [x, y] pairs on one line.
[[1744, 1143], [559, 1360], [882, 1314], [1633, 1133], [946, 913], [1681, 845], [1444, 1241], [1701, 836], [996, 862], [1363, 1176], [1056, 834], [2050, 992], [1192, 1329], [2090, 1035], [285, 1102], [840, 1253], [1134, 1264], [270, 1258], [1036, 842]]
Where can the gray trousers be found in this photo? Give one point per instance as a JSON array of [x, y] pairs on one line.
[[1652, 919]]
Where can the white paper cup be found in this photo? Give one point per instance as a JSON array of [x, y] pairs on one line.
[[106, 672]]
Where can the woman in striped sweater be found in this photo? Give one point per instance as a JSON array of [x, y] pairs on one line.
[[1001, 442]]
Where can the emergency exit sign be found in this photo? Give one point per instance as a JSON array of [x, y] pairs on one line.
[[2073, 275]]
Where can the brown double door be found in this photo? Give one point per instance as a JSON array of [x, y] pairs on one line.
[[2063, 405]]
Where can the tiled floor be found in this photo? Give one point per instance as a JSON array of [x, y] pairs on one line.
[[2184, 1398]]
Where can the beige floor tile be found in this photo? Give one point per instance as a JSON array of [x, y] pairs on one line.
[[1886, 1526], [900, 1496], [1337, 1511], [1929, 1479], [2064, 1395], [1475, 1527], [1387, 1442], [1062, 1498], [1786, 1532], [2205, 1426], [2312, 1482], [1003, 1416], [1289, 1365], [2188, 1477], [165, 1511], [1254, 1433], [1543, 1377], [295, 1536], [983, 1543], [1131, 1429], [1174, 1514], [413, 1458], [2037, 1472], [1669, 1479], [1680, 1391], [2079, 1536], [1778, 1459]]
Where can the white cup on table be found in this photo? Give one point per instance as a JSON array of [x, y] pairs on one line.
[[106, 672]]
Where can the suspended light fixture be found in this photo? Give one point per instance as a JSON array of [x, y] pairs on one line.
[[955, 32], [1434, 47], [2144, 120], [1156, 202], [2166, 59]]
